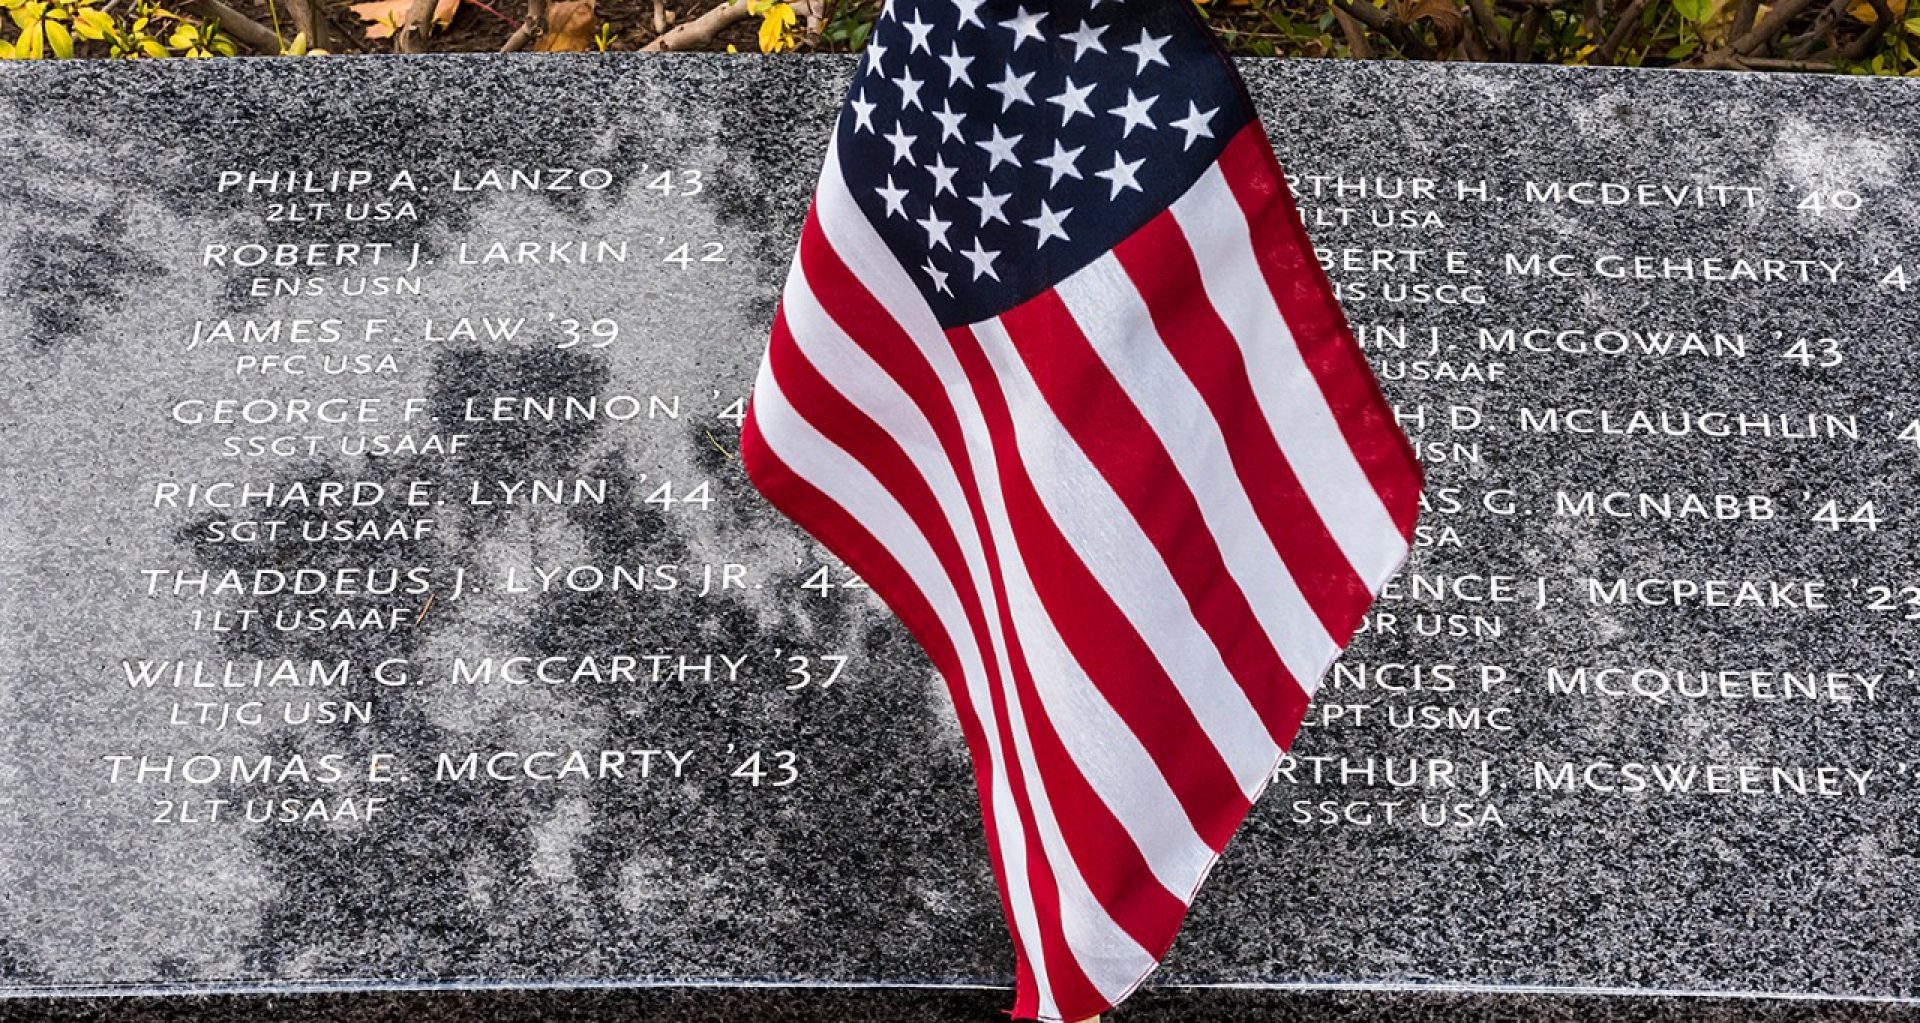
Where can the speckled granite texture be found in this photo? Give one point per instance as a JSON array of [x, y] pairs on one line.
[[110, 199], [1154, 1005]]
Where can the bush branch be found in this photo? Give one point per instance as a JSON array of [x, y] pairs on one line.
[[246, 31], [530, 30], [1629, 20], [699, 31], [412, 37]]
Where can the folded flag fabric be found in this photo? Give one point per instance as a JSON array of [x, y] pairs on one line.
[[1057, 373]]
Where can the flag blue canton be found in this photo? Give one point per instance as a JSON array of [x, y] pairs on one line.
[[998, 146]]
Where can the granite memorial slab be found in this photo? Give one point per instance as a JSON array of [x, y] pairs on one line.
[[384, 605]]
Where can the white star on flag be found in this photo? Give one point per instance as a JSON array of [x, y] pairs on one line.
[[1195, 124], [1025, 26], [1061, 162], [999, 149], [982, 261], [1086, 38], [1048, 223], [1072, 100], [1013, 89], [1122, 175], [1147, 50], [1134, 113]]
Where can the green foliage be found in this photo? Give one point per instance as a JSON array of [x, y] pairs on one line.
[[1271, 29], [1855, 36], [1878, 37], [848, 24], [85, 28]]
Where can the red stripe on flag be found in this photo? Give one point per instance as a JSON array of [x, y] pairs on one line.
[[850, 541], [1114, 655], [870, 325], [873, 328], [842, 533], [1319, 326], [1153, 926], [1156, 714], [1103, 420], [1110, 861], [840, 422], [1165, 271]]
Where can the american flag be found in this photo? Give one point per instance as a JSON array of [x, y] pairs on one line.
[[1057, 373]]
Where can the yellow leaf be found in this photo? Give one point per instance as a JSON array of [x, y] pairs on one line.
[[383, 17], [59, 39], [152, 48], [6, 50], [92, 23], [776, 30], [1863, 12], [569, 28]]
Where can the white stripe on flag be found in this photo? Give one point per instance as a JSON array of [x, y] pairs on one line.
[[1109, 755], [1116, 322], [861, 249], [1107, 954], [867, 257], [1111, 544], [1289, 396], [848, 483], [1106, 751]]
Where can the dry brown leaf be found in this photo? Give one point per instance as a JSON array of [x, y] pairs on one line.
[[1449, 24], [569, 27], [384, 16]]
